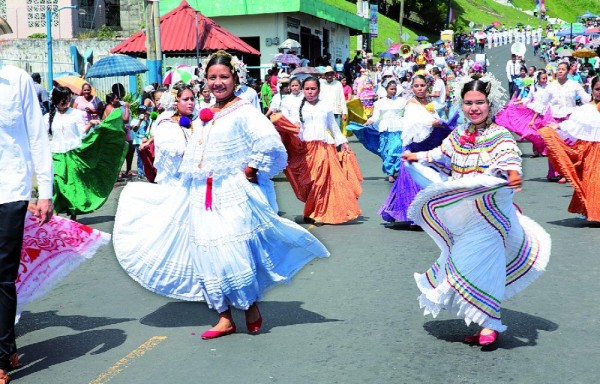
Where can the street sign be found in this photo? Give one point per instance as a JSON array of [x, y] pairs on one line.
[[471, 24], [405, 36], [388, 42]]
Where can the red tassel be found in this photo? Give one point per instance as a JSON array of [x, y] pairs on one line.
[[208, 200]]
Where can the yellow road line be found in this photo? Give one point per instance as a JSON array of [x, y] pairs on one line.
[[113, 371]]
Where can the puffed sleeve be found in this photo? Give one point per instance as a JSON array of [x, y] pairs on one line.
[[267, 154]]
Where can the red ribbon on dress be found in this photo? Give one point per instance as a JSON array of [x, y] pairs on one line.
[[468, 138], [208, 200]]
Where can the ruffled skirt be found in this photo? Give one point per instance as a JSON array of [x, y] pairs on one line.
[[334, 184], [367, 135], [50, 253], [228, 254], [489, 251], [390, 149], [580, 164], [85, 176], [404, 190], [516, 119]]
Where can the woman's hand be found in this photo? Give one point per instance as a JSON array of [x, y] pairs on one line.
[[437, 124], [553, 125], [515, 181], [410, 157], [345, 147], [368, 122], [531, 123], [251, 174]]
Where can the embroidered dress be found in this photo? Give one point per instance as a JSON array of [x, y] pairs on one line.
[[489, 251], [50, 252], [418, 134], [579, 163], [85, 167], [215, 237]]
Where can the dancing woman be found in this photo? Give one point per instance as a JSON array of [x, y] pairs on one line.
[[579, 162], [520, 118], [172, 132], [386, 137], [86, 163], [422, 130], [214, 236], [332, 196], [489, 250], [560, 99]]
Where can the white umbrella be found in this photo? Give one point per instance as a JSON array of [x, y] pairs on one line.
[[289, 44]]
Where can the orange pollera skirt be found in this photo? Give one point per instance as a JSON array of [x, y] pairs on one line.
[[335, 184], [580, 165], [297, 171]]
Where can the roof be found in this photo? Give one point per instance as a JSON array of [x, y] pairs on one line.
[[178, 34], [315, 8]]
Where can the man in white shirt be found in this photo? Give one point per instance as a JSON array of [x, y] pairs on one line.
[[468, 63], [438, 93], [24, 150], [513, 68], [332, 93]]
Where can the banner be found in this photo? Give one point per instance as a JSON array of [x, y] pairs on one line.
[[451, 16], [540, 5], [373, 20]]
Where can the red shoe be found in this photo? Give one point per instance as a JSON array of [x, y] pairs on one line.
[[472, 339], [254, 326], [214, 334], [488, 339]]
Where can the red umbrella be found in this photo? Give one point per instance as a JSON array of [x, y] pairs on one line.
[[394, 48], [178, 34], [496, 23]]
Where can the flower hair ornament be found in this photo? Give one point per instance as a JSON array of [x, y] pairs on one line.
[[168, 100], [496, 93], [239, 67]]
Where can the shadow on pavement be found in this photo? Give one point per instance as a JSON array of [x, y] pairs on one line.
[[576, 222], [43, 355], [523, 330], [95, 220], [274, 313], [30, 322]]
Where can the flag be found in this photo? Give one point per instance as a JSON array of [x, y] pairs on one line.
[[451, 16]]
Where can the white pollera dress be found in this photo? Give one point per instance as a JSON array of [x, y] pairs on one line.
[[237, 245]]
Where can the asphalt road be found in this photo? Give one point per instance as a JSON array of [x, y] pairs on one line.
[[351, 318]]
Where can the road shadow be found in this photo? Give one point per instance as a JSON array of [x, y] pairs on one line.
[[576, 222], [274, 313], [30, 322], [43, 355], [402, 226], [359, 220], [523, 330], [539, 180], [95, 220]]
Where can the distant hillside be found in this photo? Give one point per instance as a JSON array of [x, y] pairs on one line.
[[387, 28], [567, 10], [486, 11]]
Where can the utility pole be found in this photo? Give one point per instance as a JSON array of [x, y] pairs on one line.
[[157, 39], [150, 43], [401, 19]]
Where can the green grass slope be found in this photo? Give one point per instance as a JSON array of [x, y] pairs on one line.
[[386, 28], [567, 10], [486, 11]]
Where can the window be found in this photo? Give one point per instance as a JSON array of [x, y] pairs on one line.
[[3, 9], [87, 20], [36, 12]]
